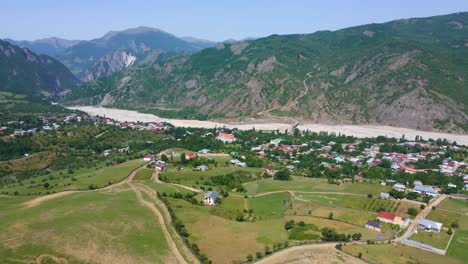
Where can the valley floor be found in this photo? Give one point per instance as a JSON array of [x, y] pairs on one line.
[[351, 130]]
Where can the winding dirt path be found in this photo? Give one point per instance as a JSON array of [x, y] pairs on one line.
[[38, 200], [297, 254], [155, 178], [306, 88], [292, 192], [162, 223], [421, 215]]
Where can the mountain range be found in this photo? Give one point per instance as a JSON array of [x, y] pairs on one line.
[[115, 51], [408, 73], [24, 72]]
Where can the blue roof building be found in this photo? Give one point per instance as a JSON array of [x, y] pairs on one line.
[[210, 198], [426, 190]]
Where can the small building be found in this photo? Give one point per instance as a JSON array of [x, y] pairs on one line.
[[417, 183], [389, 218], [19, 132], [451, 185], [210, 198], [190, 156], [373, 225], [406, 223], [226, 137], [160, 165], [384, 195], [426, 190], [268, 169], [399, 187], [148, 157], [202, 168], [430, 226], [204, 151]]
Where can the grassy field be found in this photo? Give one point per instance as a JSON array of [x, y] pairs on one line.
[[457, 205], [341, 227], [70, 180], [226, 240], [437, 240], [444, 217], [143, 175], [191, 177], [459, 245], [92, 227], [313, 184], [166, 188], [399, 254], [37, 161]]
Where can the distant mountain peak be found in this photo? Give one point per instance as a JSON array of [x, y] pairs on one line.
[[137, 30]]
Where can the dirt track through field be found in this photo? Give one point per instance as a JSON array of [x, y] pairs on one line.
[[159, 216], [314, 253], [155, 178], [37, 201]]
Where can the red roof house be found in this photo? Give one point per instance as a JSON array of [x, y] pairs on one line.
[[190, 156]]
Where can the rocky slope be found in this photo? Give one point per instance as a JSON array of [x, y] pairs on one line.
[[24, 72], [99, 57], [408, 73]]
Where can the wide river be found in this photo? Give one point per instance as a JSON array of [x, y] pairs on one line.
[[352, 130]]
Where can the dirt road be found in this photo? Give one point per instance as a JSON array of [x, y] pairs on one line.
[[421, 215], [37, 201], [155, 178], [162, 223], [314, 253]]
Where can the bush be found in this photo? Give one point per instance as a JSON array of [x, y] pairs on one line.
[[289, 225], [259, 254], [282, 175], [412, 211]]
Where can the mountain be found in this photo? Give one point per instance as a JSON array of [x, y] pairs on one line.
[[24, 72], [408, 73], [200, 43], [111, 51], [48, 46]]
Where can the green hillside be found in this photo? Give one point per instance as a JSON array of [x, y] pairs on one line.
[[409, 73], [24, 72]]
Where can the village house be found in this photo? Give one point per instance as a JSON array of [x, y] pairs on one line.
[[268, 169], [210, 198], [384, 195], [148, 157], [430, 226], [373, 225], [202, 168], [426, 190], [226, 137], [190, 156], [399, 187], [390, 218], [160, 165]]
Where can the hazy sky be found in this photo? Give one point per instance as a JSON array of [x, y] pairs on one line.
[[209, 19]]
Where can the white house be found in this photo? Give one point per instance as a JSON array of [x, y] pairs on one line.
[[426, 190], [202, 168], [210, 198], [429, 225], [399, 187]]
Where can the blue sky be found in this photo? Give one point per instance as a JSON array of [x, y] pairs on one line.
[[209, 19]]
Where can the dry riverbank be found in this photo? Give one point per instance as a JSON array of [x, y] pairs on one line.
[[352, 130]]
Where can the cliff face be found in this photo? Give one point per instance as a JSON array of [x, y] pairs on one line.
[[110, 63]]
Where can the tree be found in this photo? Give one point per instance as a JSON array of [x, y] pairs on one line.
[[249, 257], [46, 185], [360, 255], [356, 236], [450, 231], [183, 158], [330, 216], [267, 250], [282, 175], [412, 211], [422, 206], [164, 158], [369, 195], [289, 225]]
